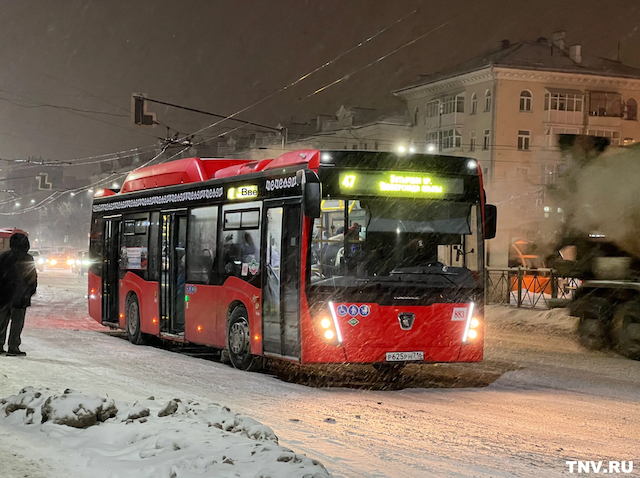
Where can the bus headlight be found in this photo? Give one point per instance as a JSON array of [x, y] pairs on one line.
[[327, 325], [471, 327]]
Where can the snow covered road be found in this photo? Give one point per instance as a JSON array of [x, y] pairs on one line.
[[553, 401]]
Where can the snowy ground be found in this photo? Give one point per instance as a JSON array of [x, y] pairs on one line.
[[549, 401]]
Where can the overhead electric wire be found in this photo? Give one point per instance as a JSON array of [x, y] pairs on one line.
[[288, 86], [312, 72]]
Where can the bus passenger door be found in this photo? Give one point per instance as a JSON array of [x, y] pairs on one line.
[[173, 241], [110, 270], [281, 280]]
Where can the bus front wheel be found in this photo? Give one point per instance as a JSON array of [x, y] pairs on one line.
[[239, 342], [133, 321]]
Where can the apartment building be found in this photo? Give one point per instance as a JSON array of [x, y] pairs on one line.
[[507, 107]]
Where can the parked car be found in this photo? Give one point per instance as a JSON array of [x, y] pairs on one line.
[[37, 258], [60, 261], [81, 263]]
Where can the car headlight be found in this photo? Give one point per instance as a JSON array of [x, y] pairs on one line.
[[41, 261], [70, 262], [53, 262], [86, 262]]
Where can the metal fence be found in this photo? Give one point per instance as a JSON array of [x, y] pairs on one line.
[[530, 288]]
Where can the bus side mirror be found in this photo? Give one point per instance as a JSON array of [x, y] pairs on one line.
[[490, 221], [311, 192]]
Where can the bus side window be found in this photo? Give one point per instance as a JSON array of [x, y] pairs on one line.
[[240, 255], [203, 226]]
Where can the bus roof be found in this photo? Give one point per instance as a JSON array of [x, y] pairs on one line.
[[9, 231], [191, 170]]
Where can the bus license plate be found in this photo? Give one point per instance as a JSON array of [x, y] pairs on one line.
[[404, 356]]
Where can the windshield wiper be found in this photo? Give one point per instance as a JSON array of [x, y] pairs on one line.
[[435, 268]]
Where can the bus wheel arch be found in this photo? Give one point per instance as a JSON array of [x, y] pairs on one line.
[[132, 320], [239, 339]]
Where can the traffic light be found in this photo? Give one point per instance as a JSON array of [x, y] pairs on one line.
[[140, 116]]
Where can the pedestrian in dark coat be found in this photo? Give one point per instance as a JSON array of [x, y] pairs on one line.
[[18, 282]]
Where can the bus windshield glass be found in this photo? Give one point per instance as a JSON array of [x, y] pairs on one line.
[[383, 237]]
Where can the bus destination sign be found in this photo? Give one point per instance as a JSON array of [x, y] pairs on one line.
[[243, 192], [399, 183]]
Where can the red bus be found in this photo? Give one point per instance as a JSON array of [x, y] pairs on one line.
[[5, 236], [312, 257]]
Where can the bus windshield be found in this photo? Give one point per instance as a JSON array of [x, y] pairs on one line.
[[383, 237]]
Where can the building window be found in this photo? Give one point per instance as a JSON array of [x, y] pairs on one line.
[[485, 140], [614, 136], [631, 109], [365, 146], [416, 116], [563, 102], [487, 101], [524, 139], [459, 103], [433, 108], [551, 139], [472, 141], [474, 104], [375, 146], [354, 146], [432, 141], [605, 104], [453, 104], [450, 139], [525, 101], [549, 173]]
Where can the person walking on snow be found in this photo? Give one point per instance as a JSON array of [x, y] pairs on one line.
[[18, 282]]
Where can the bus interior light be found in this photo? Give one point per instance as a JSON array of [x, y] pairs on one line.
[[472, 334], [328, 334], [474, 323], [325, 323]]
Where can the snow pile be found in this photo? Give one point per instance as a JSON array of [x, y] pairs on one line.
[[103, 438], [552, 321]]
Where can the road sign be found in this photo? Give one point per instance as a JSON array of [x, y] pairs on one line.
[[43, 181], [139, 114]]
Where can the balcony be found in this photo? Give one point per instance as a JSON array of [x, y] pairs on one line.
[[563, 117], [605, 121]]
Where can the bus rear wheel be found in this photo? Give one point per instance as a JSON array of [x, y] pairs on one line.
[[239, 342], [133, 321], [625, 330]]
